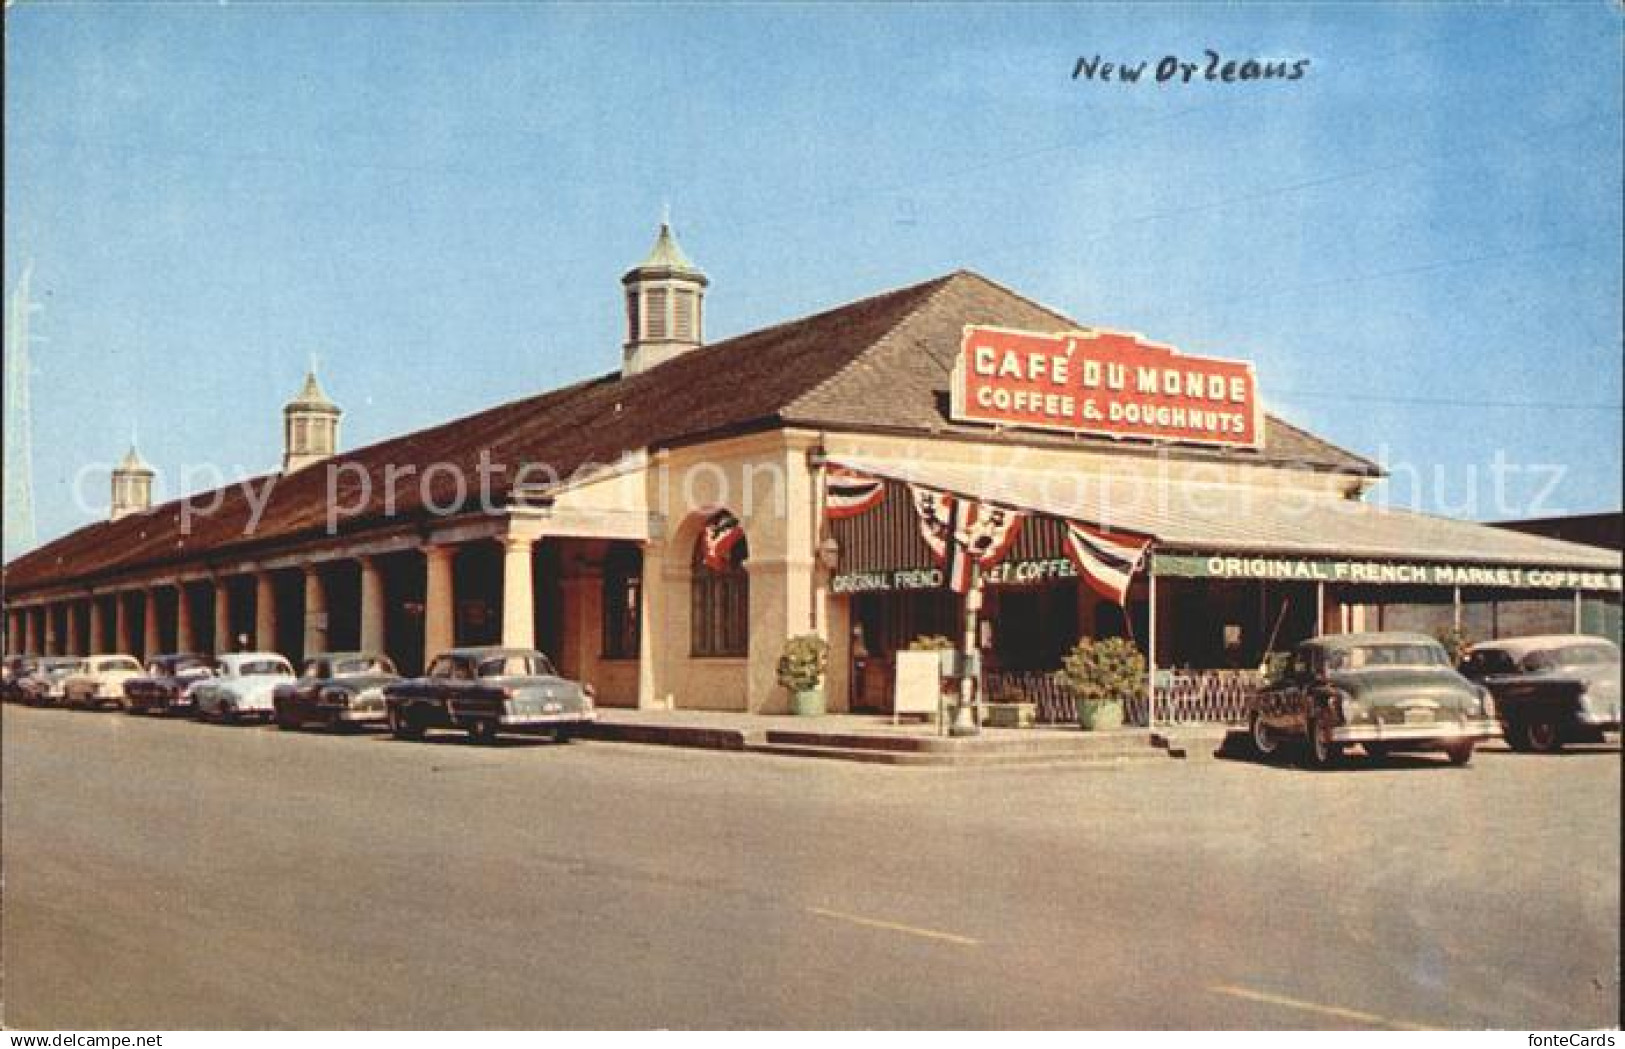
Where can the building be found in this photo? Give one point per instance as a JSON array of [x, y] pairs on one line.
[[662, 529], [1605, 529]]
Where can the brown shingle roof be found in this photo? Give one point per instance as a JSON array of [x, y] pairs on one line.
[[880, 363]]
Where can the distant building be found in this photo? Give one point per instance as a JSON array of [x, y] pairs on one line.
[[1606, 529]]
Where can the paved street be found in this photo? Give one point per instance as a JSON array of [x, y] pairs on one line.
[[174, 875]]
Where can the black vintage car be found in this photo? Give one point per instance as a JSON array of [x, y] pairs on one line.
[[334, 690], [162, 689], [483, 691], [1387, 692], [1549, 690]]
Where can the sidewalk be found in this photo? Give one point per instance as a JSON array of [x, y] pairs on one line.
[[870, 738]]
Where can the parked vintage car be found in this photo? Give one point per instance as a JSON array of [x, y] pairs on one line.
[[1385, 691], [42, 686], [162, 689], [483, 691], [242, 686], [100, 681], [15, 669], [335, 689], [1549, 690]]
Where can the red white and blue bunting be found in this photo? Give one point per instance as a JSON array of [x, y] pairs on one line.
[[962, 532], [848, 493], [1107, 560], [722, 533]]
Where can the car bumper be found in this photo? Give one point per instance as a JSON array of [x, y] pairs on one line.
[[351, 715], [561, 718], [1604, 720], [1442, 732]]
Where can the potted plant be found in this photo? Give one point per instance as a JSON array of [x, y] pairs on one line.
[[1456, 641], [1102, 674], [801, 672], [1010, 708]]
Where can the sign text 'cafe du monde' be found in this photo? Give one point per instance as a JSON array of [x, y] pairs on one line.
[[1103, 382]]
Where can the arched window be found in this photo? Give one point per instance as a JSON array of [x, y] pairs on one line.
[[623, 601], [720, 612]]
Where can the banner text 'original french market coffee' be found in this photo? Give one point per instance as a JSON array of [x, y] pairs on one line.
[[1104, 382]]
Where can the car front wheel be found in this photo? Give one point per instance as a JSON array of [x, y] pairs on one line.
[[1319, 751], [1264, 741], [1460, 753], [1542, 737], [401, 726], [482, 731]]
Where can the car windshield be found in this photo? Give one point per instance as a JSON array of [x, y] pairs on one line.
[[181, 666], [59, 665], [1389, 654], [526, 665], [251, 667], [122, 663], [363, 665], [1571, 656]]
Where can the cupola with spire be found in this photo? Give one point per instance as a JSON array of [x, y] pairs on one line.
[[310, 426], [665, 306], [132, 486]]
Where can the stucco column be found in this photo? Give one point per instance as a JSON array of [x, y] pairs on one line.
[[32, 632], [122, 641], [372, 606], [518, 599], [223, 641], [437, 601], [651, 675], [315, 613], [151, 636], [185, 630], [264, 612], [76, 630], [95, 643], [51, 646]]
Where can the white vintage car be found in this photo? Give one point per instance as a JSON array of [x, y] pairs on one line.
[[243, 686], [99, 681]]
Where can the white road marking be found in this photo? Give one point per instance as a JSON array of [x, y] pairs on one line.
[[911, 930], [1324, 1010]]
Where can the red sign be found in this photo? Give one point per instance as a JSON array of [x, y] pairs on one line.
[[1104, 382]]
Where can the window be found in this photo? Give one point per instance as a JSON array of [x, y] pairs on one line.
[[683, 314], [632, 317], [623, 601], [720, 616], [527, 664], [656, 306]]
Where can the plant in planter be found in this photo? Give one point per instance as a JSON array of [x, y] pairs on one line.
[[801, 672], [1455, 641], [1011, 708], [1102, 674]]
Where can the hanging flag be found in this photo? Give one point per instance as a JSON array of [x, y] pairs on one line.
[[961, 532], [722, 533], [848, 493], [1107, 560]]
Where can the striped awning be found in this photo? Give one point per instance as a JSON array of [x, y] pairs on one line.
[[1254, 529]]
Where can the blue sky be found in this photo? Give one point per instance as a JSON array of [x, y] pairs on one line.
[[1418, 242]]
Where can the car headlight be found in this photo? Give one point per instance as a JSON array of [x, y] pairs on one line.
[[1486, 702], [1348, 708]]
